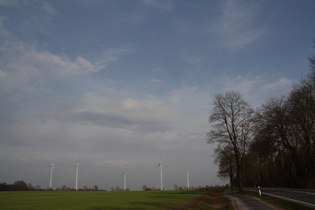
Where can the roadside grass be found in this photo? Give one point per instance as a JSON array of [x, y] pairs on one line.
[[211, 199], [277, 201], [97, 200]]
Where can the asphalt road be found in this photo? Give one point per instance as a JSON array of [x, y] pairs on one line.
[[302, 196], [242, 202]]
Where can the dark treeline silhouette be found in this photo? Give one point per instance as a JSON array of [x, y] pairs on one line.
[[16, 186], [22, 186], [273, 147], [283, 150], [176, 187]]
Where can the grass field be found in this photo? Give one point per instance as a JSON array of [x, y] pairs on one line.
[[194, 199]]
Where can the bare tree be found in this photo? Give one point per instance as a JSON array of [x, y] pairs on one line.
[[283, 150], [224, 158], [287, 127], [232, 124]]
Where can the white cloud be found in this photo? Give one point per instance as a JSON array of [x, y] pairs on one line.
[[117, 129], [29, 58], [255, 90], [280, 83], [242, 84], [236, 27], [57, 66], [146, 115], [26, 66]]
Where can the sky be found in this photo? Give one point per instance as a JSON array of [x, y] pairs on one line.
[[122, 85]]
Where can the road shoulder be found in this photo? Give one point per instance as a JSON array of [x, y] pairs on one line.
[[244, 202]]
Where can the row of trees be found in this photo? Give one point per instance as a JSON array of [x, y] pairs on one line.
[[271, 146], [16, 186], [84, 188], [22, 186], [176, 187]]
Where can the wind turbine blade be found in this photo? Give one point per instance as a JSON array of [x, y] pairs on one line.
[[158, 165], [165, 165]]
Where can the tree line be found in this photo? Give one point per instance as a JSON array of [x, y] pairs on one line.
[[22, 186], [273, 146]]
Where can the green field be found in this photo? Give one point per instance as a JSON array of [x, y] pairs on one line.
[[194, 199]]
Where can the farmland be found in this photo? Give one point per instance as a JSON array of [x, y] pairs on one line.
[[201, 199]]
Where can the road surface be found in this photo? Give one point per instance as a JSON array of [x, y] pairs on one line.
[[242, 202], [302, 196]]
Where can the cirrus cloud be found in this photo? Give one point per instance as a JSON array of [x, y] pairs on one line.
[[236, 27]]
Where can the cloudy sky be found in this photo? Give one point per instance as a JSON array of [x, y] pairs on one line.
[[123, 84]]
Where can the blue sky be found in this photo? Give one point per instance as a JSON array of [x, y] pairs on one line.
[[120, 82]]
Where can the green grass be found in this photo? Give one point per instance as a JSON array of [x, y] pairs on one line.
[[277, 201], [105, 200]]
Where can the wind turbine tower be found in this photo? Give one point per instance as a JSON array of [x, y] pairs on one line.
[[77, 165], [161, 164], [51, 174], [125, 183], [161, 174], [187, 176]]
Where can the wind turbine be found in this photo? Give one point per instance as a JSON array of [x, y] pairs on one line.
[[187, 177], [161, 164], [125, 183], [76, 175], [77, 165], [51, 174]]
